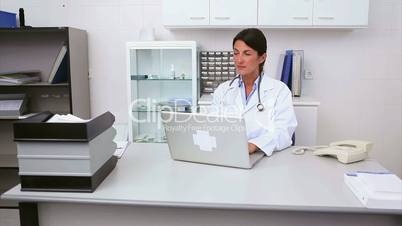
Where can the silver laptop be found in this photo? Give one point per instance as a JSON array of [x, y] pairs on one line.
[[210, 139]]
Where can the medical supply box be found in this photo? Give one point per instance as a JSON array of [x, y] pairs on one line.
[[64, 156]]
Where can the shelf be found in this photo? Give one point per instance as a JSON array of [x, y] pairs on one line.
[[7, 203], [17, 116], [146, 110], [42, 84], [151, 141], [179, 108], [34, 29], [8, 161], [153, 80]]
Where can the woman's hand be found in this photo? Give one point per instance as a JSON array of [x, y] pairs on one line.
[[252, 148]]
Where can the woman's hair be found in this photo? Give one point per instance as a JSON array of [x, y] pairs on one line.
[[254, 38]]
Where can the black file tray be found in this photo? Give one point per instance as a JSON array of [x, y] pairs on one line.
[[68, 183], [36, 128]]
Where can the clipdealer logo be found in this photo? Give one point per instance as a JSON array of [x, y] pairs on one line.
[[211, 128]]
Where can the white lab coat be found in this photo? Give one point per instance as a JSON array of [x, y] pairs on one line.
[[271, 129]]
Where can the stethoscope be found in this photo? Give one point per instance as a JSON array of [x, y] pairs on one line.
[[260, 107]]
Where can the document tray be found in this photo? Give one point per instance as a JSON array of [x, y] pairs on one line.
[[68, 183], [36, 128]]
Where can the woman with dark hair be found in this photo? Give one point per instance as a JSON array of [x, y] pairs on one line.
[[265, 103]]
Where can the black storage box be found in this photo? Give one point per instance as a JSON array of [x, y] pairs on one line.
[[36, 128], [68, 183]]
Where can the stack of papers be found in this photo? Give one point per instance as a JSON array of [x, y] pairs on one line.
[[19, 78], [380, 190], [121, 139], [65, 118]]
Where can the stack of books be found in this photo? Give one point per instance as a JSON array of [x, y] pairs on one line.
[[63, 155], [292, 70]]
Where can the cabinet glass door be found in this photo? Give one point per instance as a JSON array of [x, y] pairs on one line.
[[160, 79]]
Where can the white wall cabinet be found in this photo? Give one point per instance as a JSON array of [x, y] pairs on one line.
[[266, 13], [233, 12], [185, 12], [340, 12], [313, 13], [285, 12]]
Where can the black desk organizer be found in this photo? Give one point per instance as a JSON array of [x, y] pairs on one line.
[[68, 183], [35, 129]]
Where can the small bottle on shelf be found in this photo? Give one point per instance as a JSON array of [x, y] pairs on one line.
[[172, 72]]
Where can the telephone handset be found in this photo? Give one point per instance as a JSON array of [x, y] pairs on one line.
[[346, 151]]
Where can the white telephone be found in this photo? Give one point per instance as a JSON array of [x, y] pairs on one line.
[[346, 151]]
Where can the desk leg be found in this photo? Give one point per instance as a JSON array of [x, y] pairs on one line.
[[29, 214]]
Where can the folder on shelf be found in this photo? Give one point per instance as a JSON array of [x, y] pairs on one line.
[[19, 77], [297, 71], [12, 104], [58, 74], [287, 69]]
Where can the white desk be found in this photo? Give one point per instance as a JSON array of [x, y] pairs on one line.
[[148, 188]]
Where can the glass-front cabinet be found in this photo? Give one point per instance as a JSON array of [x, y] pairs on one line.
[[162, 75]]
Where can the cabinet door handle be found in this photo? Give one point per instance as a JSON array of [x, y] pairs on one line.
[[301, 17], [326, 17], [197, 17], [222, 18]]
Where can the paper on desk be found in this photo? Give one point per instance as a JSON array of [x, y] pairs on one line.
[[381, 182], [66, 118], [121, 139], [379, 190], [121, 148]]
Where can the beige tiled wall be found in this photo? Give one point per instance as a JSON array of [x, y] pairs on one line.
[[357, 73]]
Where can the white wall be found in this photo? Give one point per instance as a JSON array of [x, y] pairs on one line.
[[357, 73]]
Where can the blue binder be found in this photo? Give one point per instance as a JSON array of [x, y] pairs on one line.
[[61, 74], [287, 69], [286, 77]]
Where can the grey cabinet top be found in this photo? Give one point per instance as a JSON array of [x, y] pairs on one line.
[[147, 176]]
